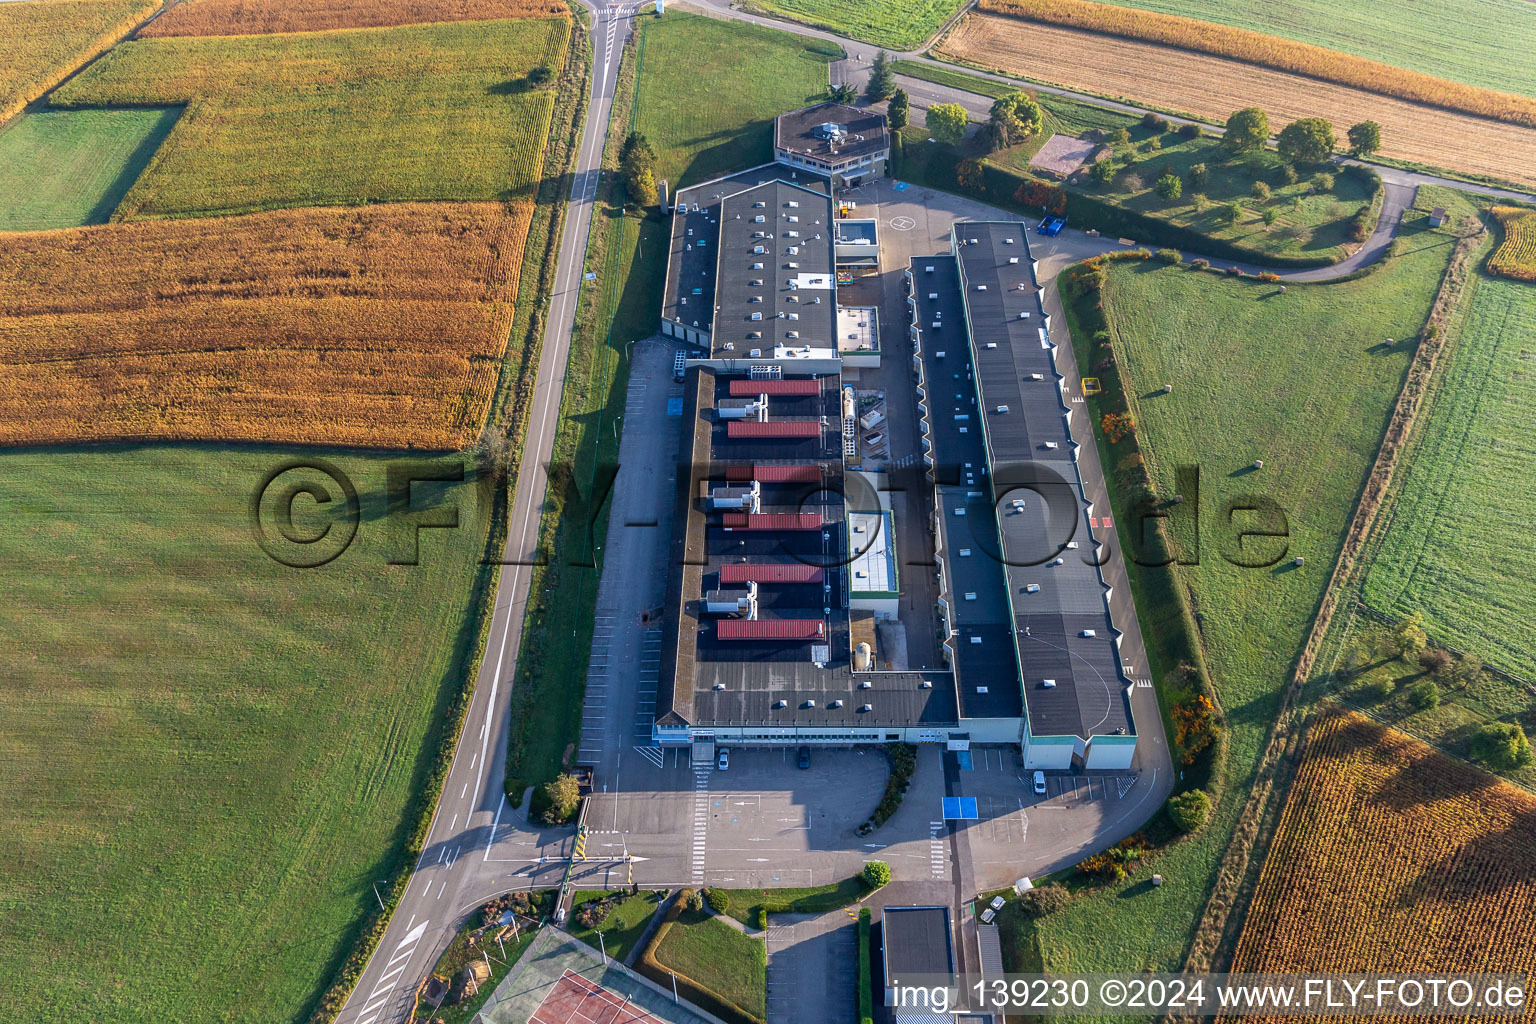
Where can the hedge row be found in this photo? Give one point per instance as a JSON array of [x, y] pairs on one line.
[[699, 995], [866, 989]]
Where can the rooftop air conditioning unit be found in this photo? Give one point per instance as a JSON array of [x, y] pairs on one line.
[[1088, 632], [866, 707], [1049, 684], [1033, 588]]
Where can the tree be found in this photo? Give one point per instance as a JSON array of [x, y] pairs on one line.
[[899, 111], [643, 191], [1436, 662], [882, 79], [1260, 191], [1409, 637], [1014, 118], [1323, 182], [1270, 216], [877, 873], [1247, 131], [540, 75], [1309, 140], [1364, 138], [1424, 695], [1501, 745], [1102, 172], [1194, 726], [1120, 136], [844, 93], [1469, 669], [562, 795], [1045, 900], [1200, 201], [718, 899], [947, 122], [637, 164], [1169, 187], [1198, 176], [969, 175], [693, 900], [1189, 810], [1230, 213]]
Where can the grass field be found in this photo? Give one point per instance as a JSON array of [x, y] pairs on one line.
[[1458, 548], [816, 900], [379, 326], [624, 925], [41, 42], [242, 17], [718, 957], [208, 757], [62, 169], [1390, 857], [1481, 42], [703, 119], [893, 24], [436, 112], [1212, 87], [1302, 382]]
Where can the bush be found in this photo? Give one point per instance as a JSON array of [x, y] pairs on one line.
[[1102, 172], [1189, 810], [1360, 224], [1323, 182], [1044, 901], [692, 899], [1287, 174], [1501, 745], [1200, 263], [760, 917], [877, 873], [1260, 191], [865, 979], [1131, 183], [903, 762], [1231, 213], [718, 899], [1269, 277], [1170, 256], [1270, 216], [1154, 144], [1200, 202], [1156, 122], [1169, 187], [561, 797], [1190, 130], [1198, 176], [1424, 695], [1378, 689]]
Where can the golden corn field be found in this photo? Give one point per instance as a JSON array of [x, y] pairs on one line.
[[431, 113], [1392, 857], [1516, 255], [254, 17], [41, 42], [1213, 87], [380, 326], [1273, 52]]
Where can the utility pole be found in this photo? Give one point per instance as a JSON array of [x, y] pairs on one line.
[[378, 897]]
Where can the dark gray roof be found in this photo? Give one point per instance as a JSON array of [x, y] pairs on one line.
[[775, 263], [1042, 516], [755, 676], [982, 649], [916, 941], [798, 132]]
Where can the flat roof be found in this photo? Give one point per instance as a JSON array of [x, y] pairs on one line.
[[1057, 596], [858, 231], [775, 285], [916, 941], [872, 552], [862, 132], [858, 329], [800, 675]]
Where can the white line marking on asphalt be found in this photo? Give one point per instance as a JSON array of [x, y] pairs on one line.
[[494, 823]]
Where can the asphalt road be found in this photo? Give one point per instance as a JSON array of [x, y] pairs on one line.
[[478, 846]]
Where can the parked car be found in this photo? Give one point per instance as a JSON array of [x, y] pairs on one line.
[[803, 759], [724, 760], [1039, 777]]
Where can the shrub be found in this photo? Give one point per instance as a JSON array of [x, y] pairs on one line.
[[760, 917], [1198, 175], [562, 795], [1436, 662], [1153, 145], [865, 980], [1044, 901], [1424, 695], [1189, 810], [1501, 745], [1230, 213], [1194, 726], [1172, 256], [1169, 187], [1102, 172], [1269, 277], [1190, 130], [1260, 191], [1323, 182], [1360, 224], [718, 899], [1378, 689], [1287, 174], [1270, 216], [1120, 136], [1200, 201], [1155, 122], [692, 899], [1200, 263], [1131, 183], [877, 873]]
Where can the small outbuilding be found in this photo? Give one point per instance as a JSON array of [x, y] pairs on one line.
[[1437, 216]]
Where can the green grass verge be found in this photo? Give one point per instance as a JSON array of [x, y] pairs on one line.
[[815, 900], [1458, 548], [894, 24], [624, 925], [718, 957], [700, 126], [62, 169], [1063, 114], [1303, 382], [422, 112], [1486, 42], [214, 757], [476, 943]]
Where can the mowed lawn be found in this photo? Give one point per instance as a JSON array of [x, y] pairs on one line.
[[1459, 546], [66, 168], [893, 24], [207, 758], [424, 112], [717, 956], [1480, 42], [708, 92], [1297, 380]]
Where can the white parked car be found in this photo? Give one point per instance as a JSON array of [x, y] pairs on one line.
[[724, 760], [1039, 781]]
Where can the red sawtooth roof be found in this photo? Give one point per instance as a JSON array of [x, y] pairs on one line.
[[748, 388], [771, 629], [775, 572], [773, 428], [772, 520], [802, 474]]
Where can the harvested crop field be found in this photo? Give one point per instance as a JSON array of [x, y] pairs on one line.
[[1392, 857], [436, 113], [1212, 87], [41, 42], [1516, 255], [255, 17], [381, 326]]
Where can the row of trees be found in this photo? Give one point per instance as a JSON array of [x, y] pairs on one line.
[[637, 166], [1306, 140], [1013, 118]]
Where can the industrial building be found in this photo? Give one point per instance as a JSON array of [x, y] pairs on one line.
[[845, 144]]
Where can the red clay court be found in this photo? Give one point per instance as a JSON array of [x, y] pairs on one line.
[[575, 1000]]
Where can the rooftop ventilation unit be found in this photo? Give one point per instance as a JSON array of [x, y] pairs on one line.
[[866, 707], [1049, 684], [829, 130], [835, 704], [1088, 632], [1033, 588]]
